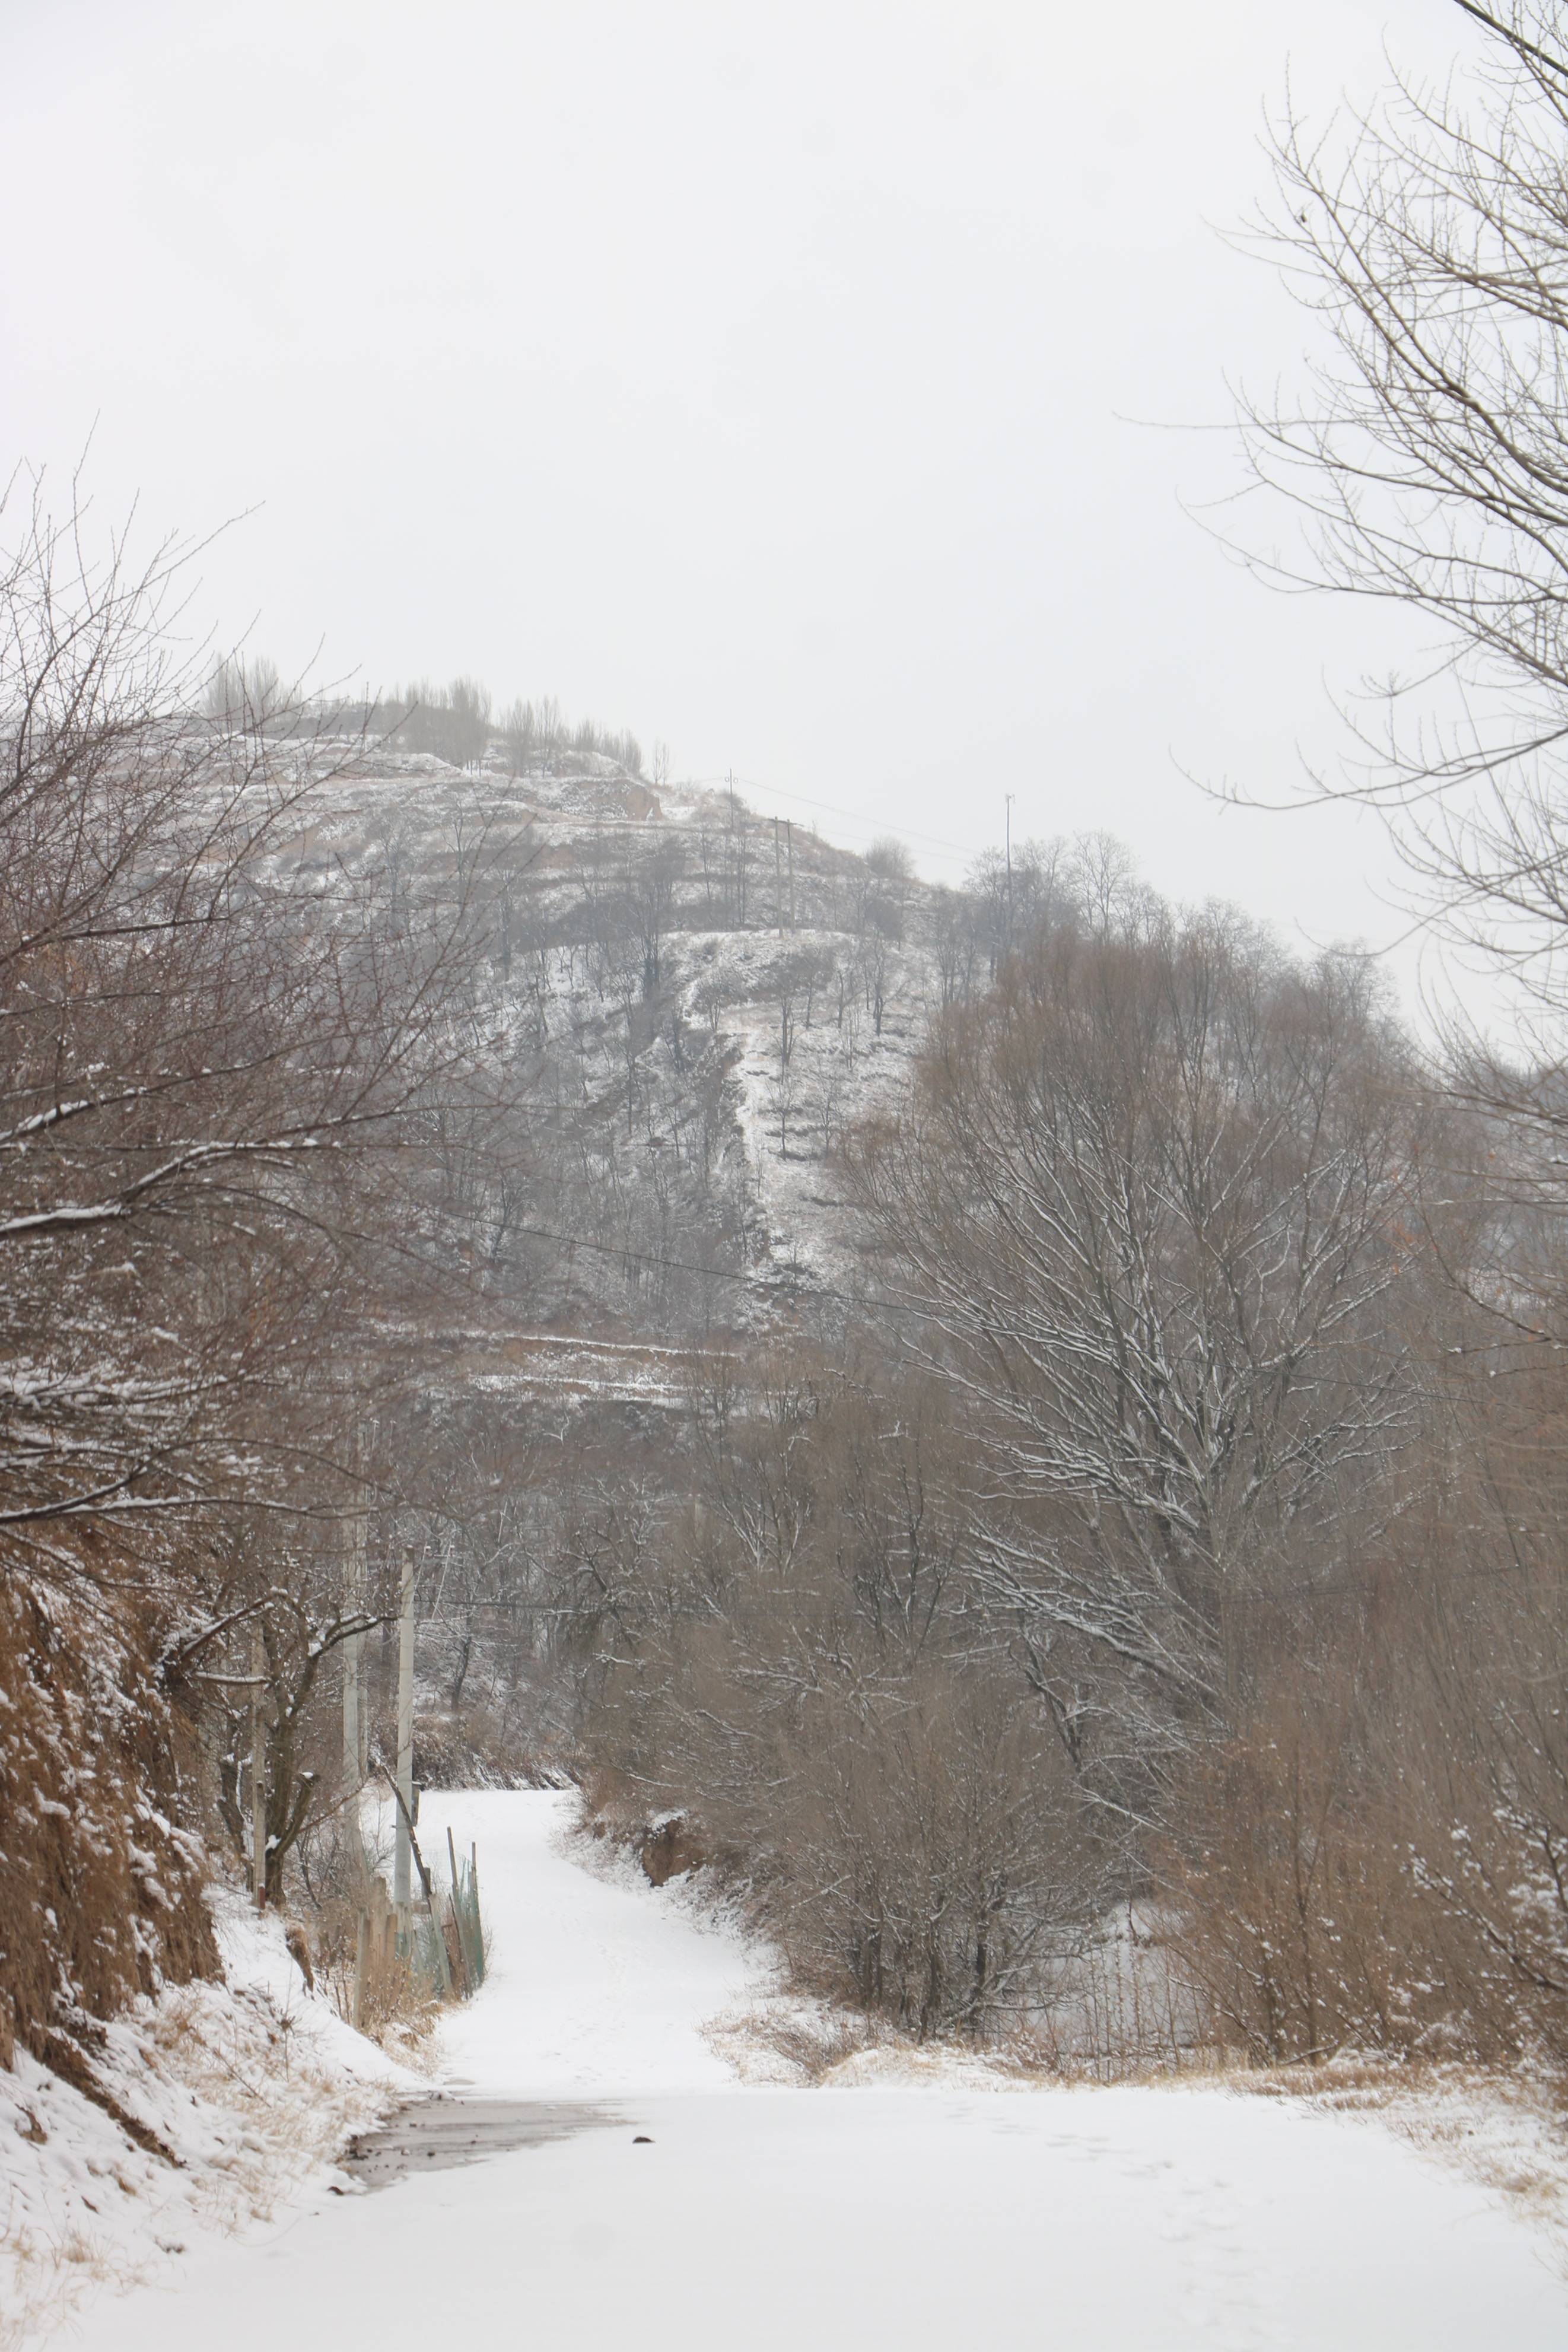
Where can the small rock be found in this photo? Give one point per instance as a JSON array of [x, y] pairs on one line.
[[670, 1851]]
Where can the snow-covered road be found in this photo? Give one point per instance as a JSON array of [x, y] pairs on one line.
[[815, 2219], [598, 1987]]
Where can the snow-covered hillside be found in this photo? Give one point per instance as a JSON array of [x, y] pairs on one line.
[[702, 999]]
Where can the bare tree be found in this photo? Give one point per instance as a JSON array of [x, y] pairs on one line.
[[1146, 1202], [246, 692], [1428, 461], [241, 1121]]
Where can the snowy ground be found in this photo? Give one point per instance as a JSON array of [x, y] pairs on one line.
[[250, 2087], [599, 1986], [924, 2217]]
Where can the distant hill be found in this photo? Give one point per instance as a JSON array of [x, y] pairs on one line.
[[702, 999]]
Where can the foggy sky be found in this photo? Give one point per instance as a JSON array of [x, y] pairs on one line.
[[763, 378]]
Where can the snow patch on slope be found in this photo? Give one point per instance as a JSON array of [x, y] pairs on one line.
[[252, 2085]]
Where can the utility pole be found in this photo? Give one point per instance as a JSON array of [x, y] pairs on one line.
[[778, 878], [355, 1728], [402, 1890], [1008, 798], [356, 1760], [737, 847], [790, 851], [353, 1691], [258, 1766]]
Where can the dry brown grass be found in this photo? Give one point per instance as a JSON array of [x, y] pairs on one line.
[[286, 2110], [795, 2040], [52, 2276], [398, 2010], [1505, 2129], [98, 1893], [255, 2104]]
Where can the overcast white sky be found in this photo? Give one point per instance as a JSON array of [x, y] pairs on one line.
[[757, 376]]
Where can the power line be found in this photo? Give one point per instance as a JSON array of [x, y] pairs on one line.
[[1513, 36], [712, 1273], [806, 1292], [576, 821], [829, 808], [1377, 1585]]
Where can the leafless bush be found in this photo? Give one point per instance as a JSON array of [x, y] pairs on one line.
[[1375, 1859], [934, 1854], [1295, 1913], [890, 860], [351, 1931], [798, 1669]]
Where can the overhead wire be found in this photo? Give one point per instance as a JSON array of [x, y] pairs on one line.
[[827, 808]]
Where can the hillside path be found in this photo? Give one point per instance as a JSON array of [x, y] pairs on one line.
[[1142, 2220]]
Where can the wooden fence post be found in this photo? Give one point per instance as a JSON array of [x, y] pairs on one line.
[[258, 1766]]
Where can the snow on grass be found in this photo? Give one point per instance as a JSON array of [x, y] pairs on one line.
[[1507, 2132], [252, 2086], [899, 2202], [1132, 2220]]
